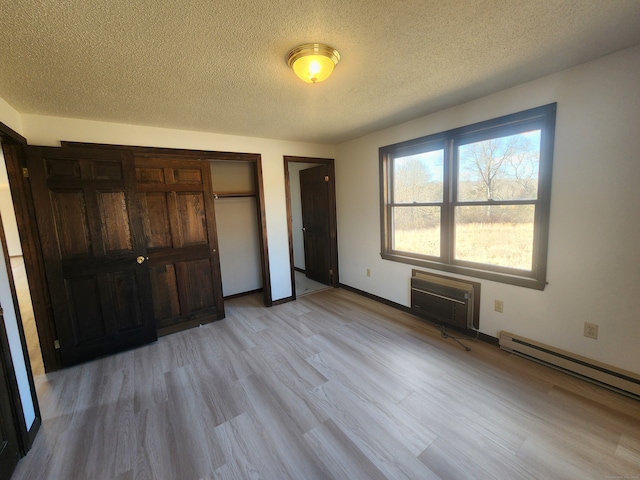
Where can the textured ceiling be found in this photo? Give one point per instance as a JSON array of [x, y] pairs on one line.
[[219, 66]]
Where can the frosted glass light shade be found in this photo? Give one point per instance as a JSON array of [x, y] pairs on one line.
[[313, 62]]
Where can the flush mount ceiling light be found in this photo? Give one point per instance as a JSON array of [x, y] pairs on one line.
[[313, 62]]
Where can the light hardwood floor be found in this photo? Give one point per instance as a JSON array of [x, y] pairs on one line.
[[332, 386], [305, 286]]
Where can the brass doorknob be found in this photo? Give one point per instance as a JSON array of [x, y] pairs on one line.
[[141, 259]]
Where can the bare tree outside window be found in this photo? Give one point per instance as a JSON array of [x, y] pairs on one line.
[[497, 175], [500, 168]]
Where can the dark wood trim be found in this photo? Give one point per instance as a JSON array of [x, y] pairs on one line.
[[11, 143], [8, 135], [385, 194], [33, 431], [262, 232], [12, 386], [15, 161], [287, 189], [471, 333], [11, 446], [243, 294], [193, 322], [25, 440], [466, 271], [382, 300], [206, 155], [301, 270], [212, 231], [182, 152], [283, 300], [333, 224], [233, 195], [32, 253]]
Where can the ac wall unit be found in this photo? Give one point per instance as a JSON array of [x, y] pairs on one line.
[[445, 300]]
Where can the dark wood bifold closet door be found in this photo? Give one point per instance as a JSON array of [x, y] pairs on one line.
[[179, 225], [94, 250]]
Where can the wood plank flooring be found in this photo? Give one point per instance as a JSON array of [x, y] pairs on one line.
[[305, 286], [331, 386]]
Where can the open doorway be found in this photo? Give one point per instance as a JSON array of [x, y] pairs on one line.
[[310, 190]]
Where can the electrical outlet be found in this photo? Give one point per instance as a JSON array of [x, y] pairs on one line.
[[368, 272], [498, 306], [590, 330]]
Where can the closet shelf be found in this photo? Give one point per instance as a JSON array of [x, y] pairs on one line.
[[233, 194]]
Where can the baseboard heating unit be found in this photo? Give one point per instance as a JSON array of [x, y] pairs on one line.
[[614, 378]]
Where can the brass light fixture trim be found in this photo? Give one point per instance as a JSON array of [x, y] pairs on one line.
[[313, 62]]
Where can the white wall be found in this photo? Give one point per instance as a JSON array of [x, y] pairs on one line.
[[8, 213], [594, 244], [44, 130], [239, 245], [10, 116]]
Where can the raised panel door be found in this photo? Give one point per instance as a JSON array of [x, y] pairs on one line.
[[92, 233], [179, 224], [315, 221]]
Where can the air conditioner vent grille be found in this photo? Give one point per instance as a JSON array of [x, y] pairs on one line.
[[445, 300]]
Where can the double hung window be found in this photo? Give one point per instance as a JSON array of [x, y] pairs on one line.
[[473, 200]]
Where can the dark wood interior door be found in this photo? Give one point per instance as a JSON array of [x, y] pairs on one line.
[[9, 449], [180, 230], [314, 188], [94, 250]]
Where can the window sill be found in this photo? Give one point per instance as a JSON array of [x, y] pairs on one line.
[[527, 282]]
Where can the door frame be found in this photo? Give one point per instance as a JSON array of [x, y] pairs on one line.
[[11, 143], [17, 171], [331, 208], [11, 447]]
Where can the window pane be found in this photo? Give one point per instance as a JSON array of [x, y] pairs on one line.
[[495, 235], [417, 230], [418, 178], [503, 168]]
